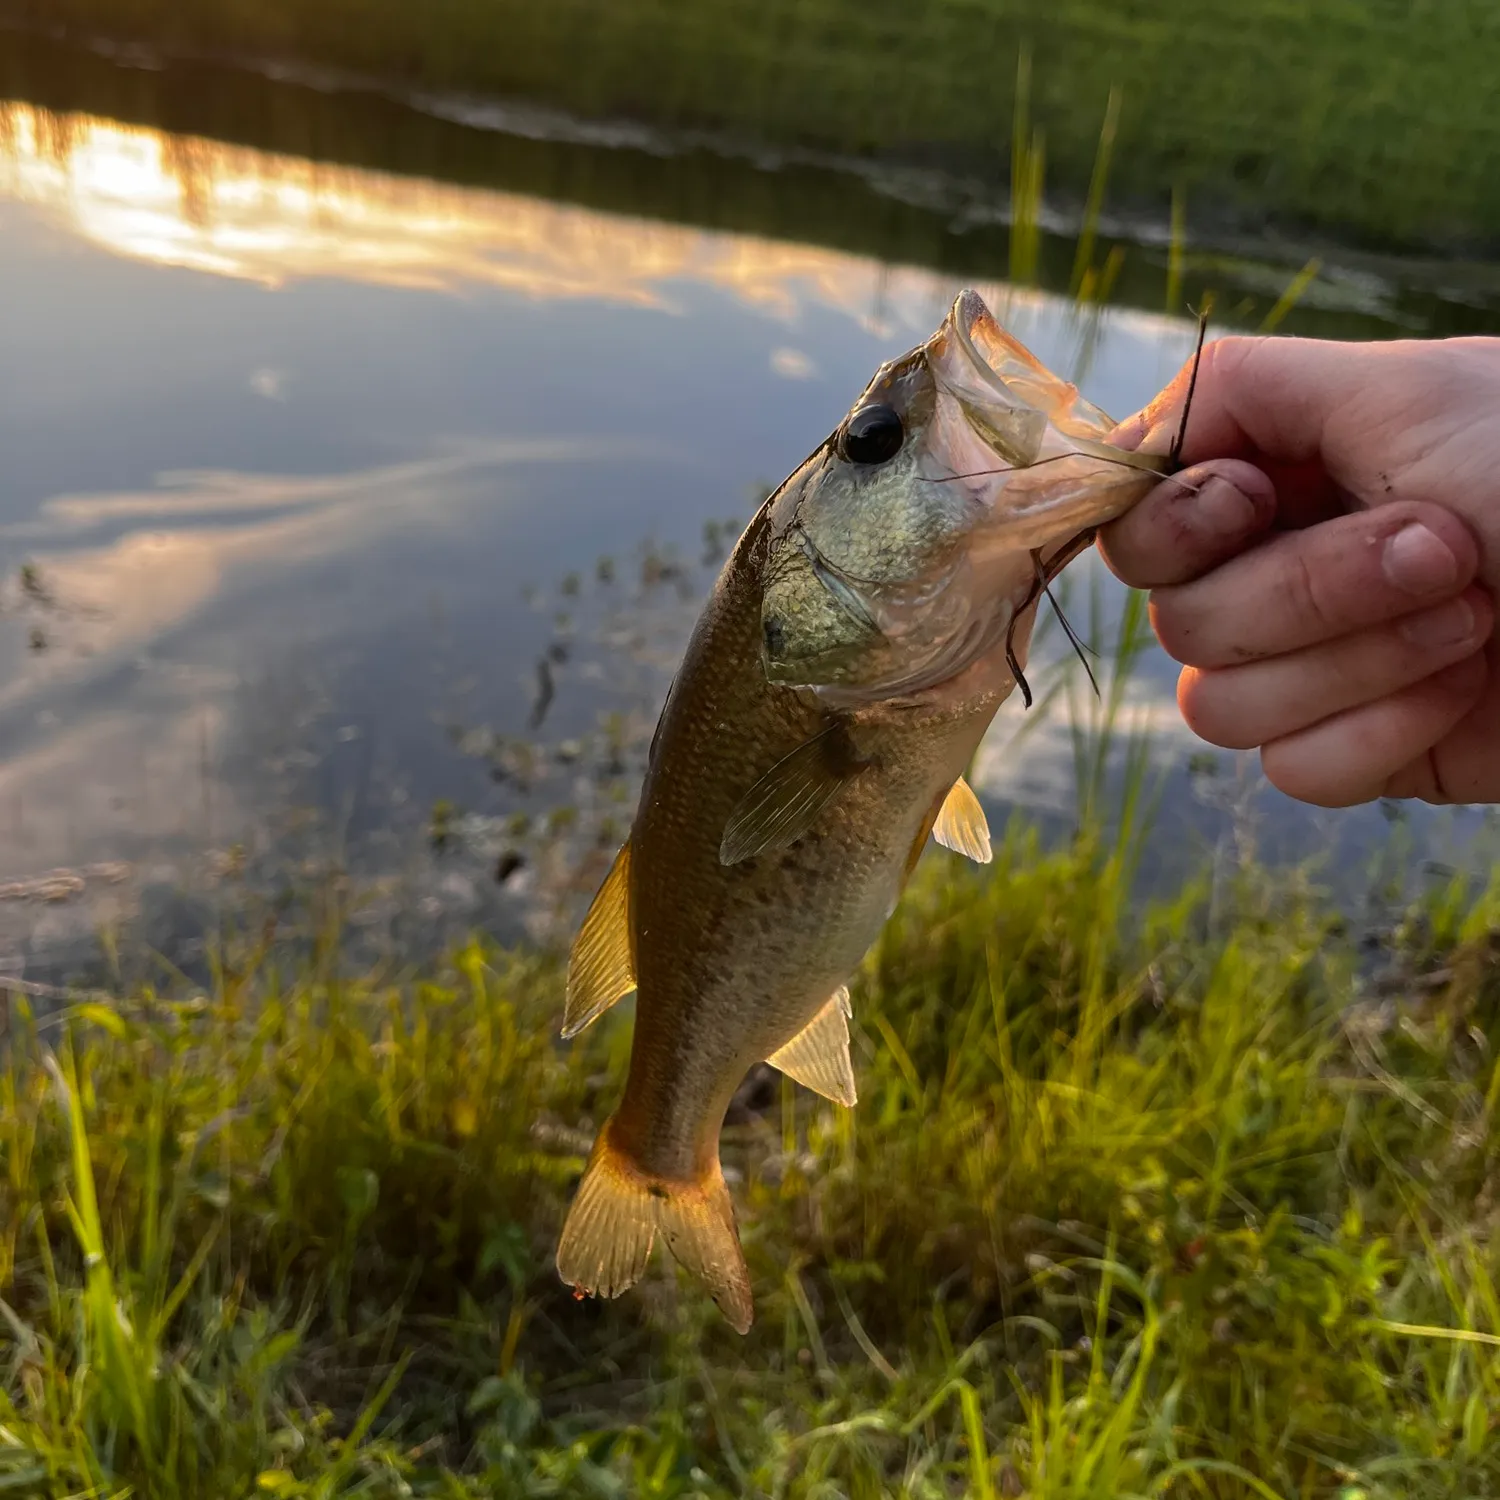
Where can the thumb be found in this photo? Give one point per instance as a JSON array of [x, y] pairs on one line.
[[1257, 398]]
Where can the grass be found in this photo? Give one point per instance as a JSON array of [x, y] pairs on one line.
[[1162, 1202], [1368, 119]]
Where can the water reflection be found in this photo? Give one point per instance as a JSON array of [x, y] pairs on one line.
[[314, 474], [232, 211]]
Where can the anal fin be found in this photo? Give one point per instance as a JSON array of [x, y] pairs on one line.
[[961, 824], [818, 1056], [601, 967], [785, 803]]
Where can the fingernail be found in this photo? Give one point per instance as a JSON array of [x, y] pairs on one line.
[[1419, 561], [1224, 509], [1448, 625]]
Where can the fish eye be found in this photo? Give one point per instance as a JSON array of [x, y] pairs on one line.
[[872, 435]]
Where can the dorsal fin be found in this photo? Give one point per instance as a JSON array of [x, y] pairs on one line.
[[789, 798], [601, 967], [961, 824], [818, 1056]]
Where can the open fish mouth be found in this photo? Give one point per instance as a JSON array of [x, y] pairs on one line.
[[1029, 419], [903, 551]]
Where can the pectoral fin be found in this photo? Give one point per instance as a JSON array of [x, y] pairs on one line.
[[601, 966], [961, 824], [789, 798], [818, 1056]]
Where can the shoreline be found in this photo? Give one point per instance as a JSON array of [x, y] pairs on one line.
[[881, 208], [958, 172]]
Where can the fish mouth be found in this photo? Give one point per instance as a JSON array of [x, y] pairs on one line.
[[1016, 415]]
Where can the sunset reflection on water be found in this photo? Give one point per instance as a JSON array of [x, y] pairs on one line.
[[233, 211], [321, 408]]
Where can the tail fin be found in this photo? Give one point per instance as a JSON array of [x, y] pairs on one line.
[[617, 1213]]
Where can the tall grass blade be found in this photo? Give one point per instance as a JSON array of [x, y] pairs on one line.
[[1083, 257], [1293, 293]]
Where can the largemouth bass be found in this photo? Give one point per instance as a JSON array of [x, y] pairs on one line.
[[870, 621]]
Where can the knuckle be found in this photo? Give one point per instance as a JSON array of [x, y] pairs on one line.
[[1173, 624], [1225, 358], [1302, 597]]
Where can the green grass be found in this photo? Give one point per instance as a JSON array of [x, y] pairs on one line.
[[1364, 118], [1135, 1202]]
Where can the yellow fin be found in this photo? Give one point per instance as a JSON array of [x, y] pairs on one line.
[[789, 798], [818, 1056], [617, 1213], [601, 966], [920, 842], [611, 1225], [697, 1222], [961, 824]]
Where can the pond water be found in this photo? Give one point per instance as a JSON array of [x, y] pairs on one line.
[[357, 514]]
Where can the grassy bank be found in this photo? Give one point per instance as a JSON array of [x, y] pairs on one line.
[[1371, 120], [1158, 1204]]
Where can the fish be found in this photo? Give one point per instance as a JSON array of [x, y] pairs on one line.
[[855, 647]]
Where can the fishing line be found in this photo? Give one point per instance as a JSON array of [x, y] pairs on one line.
[[1078, 646], [1045, 574], [1041, 463], [1204, 309]]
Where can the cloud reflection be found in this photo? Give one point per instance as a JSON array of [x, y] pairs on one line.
[[199, 534], [234, 211]]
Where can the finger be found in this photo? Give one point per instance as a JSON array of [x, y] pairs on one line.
[[1462, 766], [1303, 587], [1352, 757], [1241, 707], [1189, 524]]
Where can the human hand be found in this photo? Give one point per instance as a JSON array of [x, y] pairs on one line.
[[1325, 569]]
